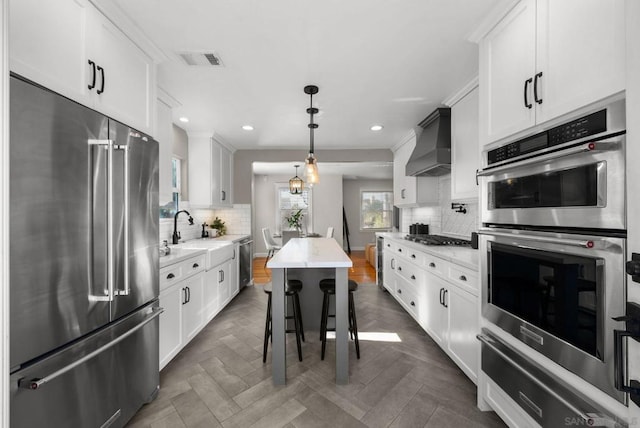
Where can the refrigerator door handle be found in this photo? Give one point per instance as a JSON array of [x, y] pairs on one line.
[[110, 247], [127, 287], [37, 383]]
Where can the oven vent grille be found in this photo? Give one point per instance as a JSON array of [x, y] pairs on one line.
[[209, 59]]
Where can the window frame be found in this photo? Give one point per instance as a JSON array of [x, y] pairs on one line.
[[363, 227], [307, 225]]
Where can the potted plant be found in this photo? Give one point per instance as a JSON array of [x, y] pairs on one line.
[[295, 220], [219, 225]]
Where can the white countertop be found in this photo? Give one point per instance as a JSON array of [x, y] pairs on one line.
[[310, 253], [180, 254], [463, 256]]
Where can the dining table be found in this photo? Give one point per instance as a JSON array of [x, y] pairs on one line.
[[319, 254]]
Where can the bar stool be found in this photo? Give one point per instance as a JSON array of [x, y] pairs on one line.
[[292, 289], [328, 288]]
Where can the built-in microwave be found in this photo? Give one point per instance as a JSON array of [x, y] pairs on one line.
[[571, 176]]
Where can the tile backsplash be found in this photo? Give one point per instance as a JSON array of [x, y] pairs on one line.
[[237, 220], [442, 219]]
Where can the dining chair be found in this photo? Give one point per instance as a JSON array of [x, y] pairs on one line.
[[330, 232], [270, 243]]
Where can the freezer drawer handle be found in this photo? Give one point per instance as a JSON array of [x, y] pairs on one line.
[[36, 383]]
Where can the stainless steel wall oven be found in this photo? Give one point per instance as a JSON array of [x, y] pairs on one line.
[[554, 239]]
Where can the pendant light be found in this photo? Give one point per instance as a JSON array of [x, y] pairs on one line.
[[311, 163], [296, 184]]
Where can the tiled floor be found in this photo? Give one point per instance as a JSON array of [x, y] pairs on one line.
[[219, 378]]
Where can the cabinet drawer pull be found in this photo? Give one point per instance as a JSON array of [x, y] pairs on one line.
[[93, 74], [196, 265], [399, 250], [535, 88], [432, 265], [402, 193], [463, 278], [388, 245], [399, 291], [527, 82], [399, 267], [441, 296], [413, 303], [413, 277], [413, 256], [393, 265], [170, 276], [101, 90]]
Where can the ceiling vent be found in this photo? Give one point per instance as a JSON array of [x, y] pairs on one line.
[[210, 59]]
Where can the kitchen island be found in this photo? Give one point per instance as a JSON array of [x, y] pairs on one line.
[[310, 253]]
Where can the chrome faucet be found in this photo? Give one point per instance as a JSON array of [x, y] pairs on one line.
[[176, 234]]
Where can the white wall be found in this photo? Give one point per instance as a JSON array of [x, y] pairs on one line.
[[326, 206], [441, 218], [351, 201]]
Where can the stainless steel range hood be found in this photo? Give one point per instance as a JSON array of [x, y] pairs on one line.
[[432, 154]]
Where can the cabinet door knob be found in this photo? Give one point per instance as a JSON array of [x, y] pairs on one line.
[[196, 265], [527, 82], [399, 267], [413, 303], [432, 265], [93, 75], [101, 90], [413, 256], [413, 277], [170, 276], [399, 291], [535, 88], [463, 278]]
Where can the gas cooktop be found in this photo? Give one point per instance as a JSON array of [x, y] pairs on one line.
[[437, 240]]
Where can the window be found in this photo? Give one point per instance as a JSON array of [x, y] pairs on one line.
[[170, 209], [376, 210], [287, 204]]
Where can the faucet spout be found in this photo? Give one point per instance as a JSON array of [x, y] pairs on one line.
[[176, 235]]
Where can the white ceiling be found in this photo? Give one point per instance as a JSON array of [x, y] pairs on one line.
[[349, 170], [388, 62]]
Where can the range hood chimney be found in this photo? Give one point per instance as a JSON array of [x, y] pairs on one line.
[[432, 154]]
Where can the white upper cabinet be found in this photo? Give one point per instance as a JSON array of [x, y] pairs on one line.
[[465, 149], [411, 191], [68, 46], [547, 58], [164, 135], [210, 173]]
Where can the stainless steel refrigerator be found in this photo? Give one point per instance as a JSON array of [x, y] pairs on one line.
[[83, 264]]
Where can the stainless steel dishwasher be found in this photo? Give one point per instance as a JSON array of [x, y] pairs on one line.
[[246, 262]]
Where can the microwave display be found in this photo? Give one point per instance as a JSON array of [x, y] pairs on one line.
[[559, 293], [573, 187]]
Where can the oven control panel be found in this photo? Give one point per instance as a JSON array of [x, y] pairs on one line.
[[592, 124]]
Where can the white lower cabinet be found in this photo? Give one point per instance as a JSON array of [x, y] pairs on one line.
[[182, 317], [434, 321], [192, 319], [440, 295], [462, 321], [170, 323], [210, 294]]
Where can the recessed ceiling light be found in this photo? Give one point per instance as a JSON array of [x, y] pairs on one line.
[[377, 127], [184, 119], [247, 127]]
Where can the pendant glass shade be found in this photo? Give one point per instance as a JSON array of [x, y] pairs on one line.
[[296, 184], [311, 170]]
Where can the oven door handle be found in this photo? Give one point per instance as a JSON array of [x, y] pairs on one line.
[[591, 147], [490, 343], [573, 243]]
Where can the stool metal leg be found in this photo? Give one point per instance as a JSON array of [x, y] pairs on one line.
[[325, 316], [296, 322], [323, 319], [267, 330], [352, 317], [298, 313]]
